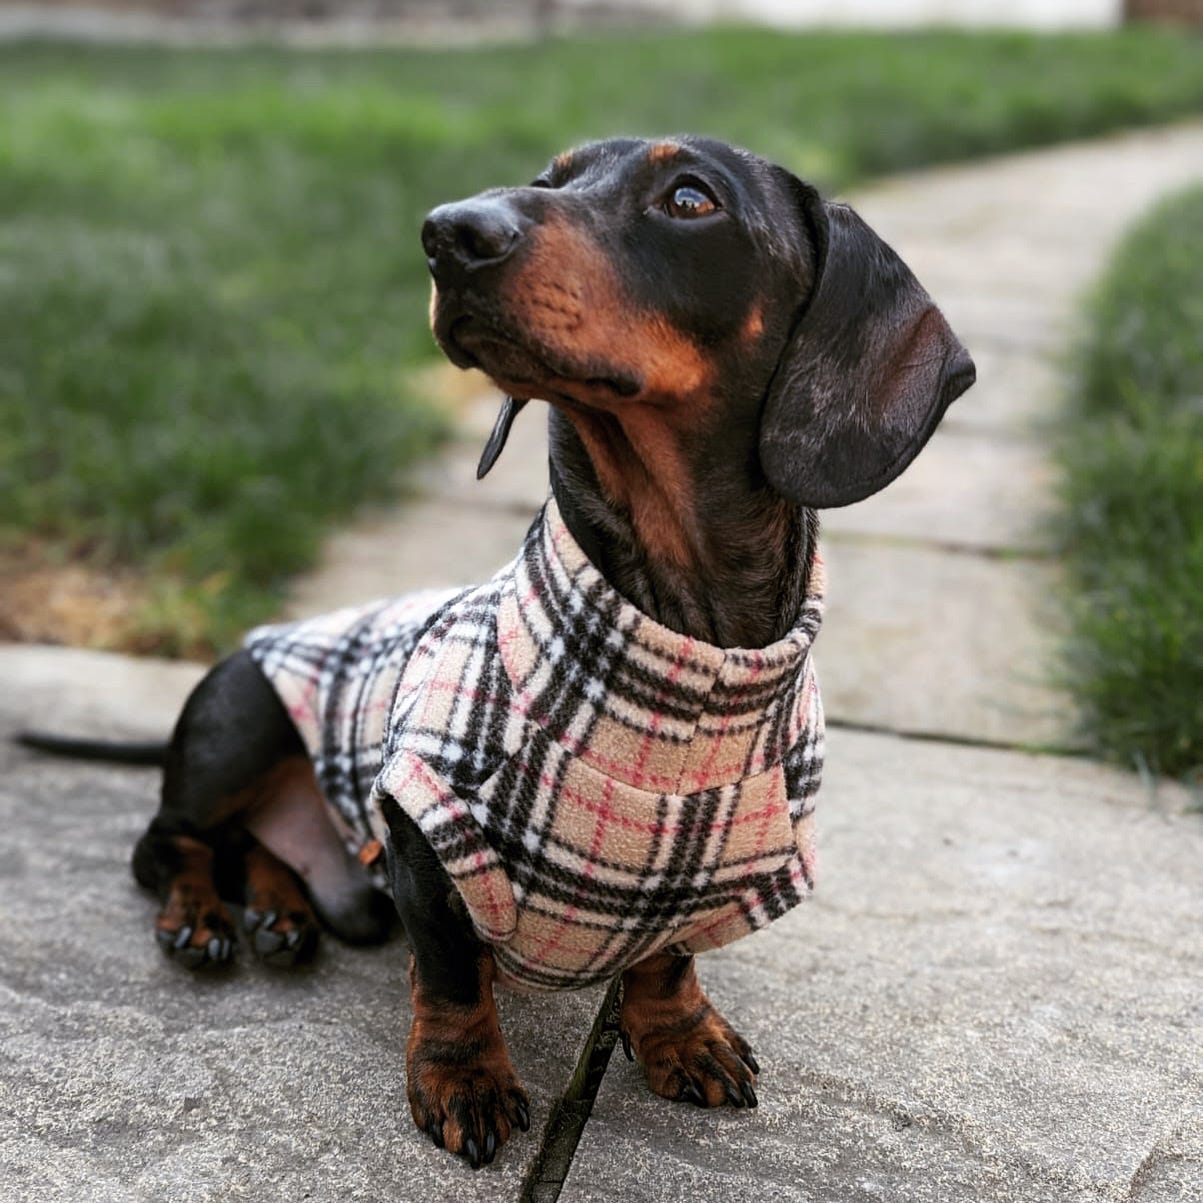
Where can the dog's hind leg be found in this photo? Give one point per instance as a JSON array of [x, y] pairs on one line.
[[233, 755], [231, 734], [291, 823]]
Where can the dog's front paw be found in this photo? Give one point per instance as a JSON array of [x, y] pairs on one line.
[[688, 1051], [194, 930], [281, 940], [465, 1097], [708, 1064]]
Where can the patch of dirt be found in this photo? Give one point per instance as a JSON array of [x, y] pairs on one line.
[[43, 600]]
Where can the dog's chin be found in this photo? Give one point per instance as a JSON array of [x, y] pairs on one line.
[[529, 370]]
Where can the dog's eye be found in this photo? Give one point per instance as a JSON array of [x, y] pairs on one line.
[[688, 200]]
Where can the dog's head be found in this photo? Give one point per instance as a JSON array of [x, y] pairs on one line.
[[689, 275]]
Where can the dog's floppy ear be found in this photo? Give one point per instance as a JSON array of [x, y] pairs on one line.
[[868, 372]]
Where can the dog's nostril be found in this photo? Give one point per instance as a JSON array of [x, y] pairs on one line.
[[469, 234], [430, 238], [485, 236]]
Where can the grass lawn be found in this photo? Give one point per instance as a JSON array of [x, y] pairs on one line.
[[212, 296], [1132, 499]]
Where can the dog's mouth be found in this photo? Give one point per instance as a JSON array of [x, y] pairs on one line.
[[523, 368]]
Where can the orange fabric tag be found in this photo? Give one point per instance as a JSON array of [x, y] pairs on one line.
[[369, 854]]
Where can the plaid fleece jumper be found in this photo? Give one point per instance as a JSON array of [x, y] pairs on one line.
[[597, 786]]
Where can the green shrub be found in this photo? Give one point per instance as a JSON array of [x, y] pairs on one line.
[[1131, 520]]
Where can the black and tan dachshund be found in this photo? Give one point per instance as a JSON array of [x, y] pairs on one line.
[[723, 353]]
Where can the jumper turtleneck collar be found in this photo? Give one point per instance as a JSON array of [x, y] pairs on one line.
[[682, 714]]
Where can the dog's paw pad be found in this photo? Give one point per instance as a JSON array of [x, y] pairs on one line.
[[280, 939]]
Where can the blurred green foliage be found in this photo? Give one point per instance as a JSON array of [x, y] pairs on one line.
[[1131, 522], [211, 289]]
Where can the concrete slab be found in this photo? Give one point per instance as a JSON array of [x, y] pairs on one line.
[[75, 691], [519, 479], [967, 489], [1084, 192], [1004, 321], [922, 640], [993, 998], [124, 1078], [1017, 392], [429, 543]]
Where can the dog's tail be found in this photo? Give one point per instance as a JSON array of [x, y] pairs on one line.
[[113, 751]]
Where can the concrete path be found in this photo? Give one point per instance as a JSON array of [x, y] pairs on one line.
[[994, 998]]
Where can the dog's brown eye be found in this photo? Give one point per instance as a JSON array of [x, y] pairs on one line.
[[690, 201]]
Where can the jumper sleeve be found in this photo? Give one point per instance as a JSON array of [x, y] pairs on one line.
[[454, 832]]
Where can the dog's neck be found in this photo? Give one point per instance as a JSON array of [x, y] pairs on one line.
[[698, 542]]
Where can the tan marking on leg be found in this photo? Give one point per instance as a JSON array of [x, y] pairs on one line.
[[192, 903], [686, 1048], [279, 923], [461, 1082], [291, 818]]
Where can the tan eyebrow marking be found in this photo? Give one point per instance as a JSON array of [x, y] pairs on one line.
[[662, 152], [753, 327]]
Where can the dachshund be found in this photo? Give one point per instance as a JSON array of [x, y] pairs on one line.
[[604, 760]]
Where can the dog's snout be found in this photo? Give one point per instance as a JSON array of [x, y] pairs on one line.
[[470, 234]]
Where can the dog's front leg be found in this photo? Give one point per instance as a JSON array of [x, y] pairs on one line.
[[688, 1051], [463, 1091]]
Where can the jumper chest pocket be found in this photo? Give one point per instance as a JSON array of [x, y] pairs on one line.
[[590, 857]]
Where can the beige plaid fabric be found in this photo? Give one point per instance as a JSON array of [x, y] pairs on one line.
[[597, 786]]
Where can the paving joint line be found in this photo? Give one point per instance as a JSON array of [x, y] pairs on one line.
[[569, 1115], [982, 551], [919, 735]]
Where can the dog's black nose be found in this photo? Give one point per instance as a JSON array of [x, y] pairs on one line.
[[469, 234]]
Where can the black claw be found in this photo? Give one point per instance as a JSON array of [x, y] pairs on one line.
[[270, 917], [216, 949], [434, 1129], [490, 1145], [166, 939], [523, 1117], [182, 938], [626, 1046], [751, 1062], [294, 937], [749, 1094], [691, 1094], [734, 1097], [251, 918], [472, 1153]]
